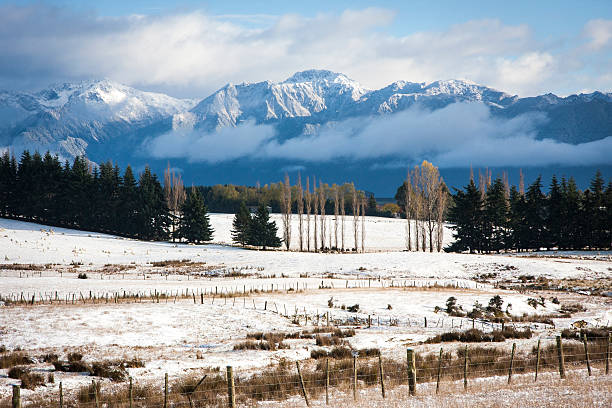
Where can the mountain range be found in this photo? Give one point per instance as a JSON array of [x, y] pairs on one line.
[[106, 120]]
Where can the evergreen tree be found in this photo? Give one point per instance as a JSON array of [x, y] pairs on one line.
[[466, 214], [595, 213], [263, 232], [555, 221], [153, 216], [495, 216], [535, 215], [128, 204], [518, 236], [195, 224], [573, 237], [241, 225]]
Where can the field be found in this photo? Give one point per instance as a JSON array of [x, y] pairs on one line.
[[187, 310]]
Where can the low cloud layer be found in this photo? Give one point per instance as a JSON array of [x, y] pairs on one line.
[[458, 135], [194, 53]]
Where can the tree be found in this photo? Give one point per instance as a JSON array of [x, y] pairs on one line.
[[308, 200], [300, 211], [467, 217], [286, 211], [495, 217], [153, 215], [535, 215], [263, 231], [241, 225], [195, 224]]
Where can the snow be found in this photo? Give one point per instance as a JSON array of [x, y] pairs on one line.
[[176, 337]]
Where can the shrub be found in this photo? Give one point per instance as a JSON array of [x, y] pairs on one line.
[[28, 379], [353, 309], [49, 358], [82, 276], [477, 336], [14, 359], [109, 370], [74, 356]]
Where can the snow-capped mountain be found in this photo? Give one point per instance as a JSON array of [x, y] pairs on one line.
[[67, 118], [104, 119]]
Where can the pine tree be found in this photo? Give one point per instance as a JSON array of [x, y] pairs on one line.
[[241, 225], [195, 223], [517, 239], [466, 214], [153, 216], [495, 216], [128, 204], [536, 215], [555, 221], [263, 231]]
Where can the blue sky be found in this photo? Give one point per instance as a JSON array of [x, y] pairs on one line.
[[190, 48]]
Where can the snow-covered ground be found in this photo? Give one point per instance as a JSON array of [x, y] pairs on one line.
[[179, 336]]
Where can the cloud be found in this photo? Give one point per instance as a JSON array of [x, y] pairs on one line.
[[455, 136], [193, 53], [227, 143], [599, 33]]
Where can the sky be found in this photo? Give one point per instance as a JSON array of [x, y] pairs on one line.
[[192, 48]]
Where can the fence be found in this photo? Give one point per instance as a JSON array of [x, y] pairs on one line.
[[231, 389]]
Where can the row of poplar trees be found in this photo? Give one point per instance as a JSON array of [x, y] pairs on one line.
[[321, 215], [494, 217], [100, 198]]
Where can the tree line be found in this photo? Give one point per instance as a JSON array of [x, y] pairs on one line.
[[495, 216], [100, 198]]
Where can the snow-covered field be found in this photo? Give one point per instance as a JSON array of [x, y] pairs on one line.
[[389, 284]]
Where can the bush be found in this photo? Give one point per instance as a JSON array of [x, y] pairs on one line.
[[74, 356], [28, 379], [109, 370], [14, 359], [82, 276], [477, 336], [353, 309]]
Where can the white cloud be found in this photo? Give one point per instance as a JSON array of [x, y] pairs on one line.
[[194, 53], [599, 33], [455, 136]]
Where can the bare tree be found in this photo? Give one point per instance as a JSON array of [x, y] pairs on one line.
[[431, 182], [355, 215], [308, 209], [322, 209], [363, 207], [343, 212], [416, 204], [286, 211], [440, 213], [408, 204], [174, 193], [300, 210], [521, 182], [336, 214], [315, 201], [506, 184]]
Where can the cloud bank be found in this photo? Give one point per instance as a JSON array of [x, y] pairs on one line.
[[193, 53], [455, 136]]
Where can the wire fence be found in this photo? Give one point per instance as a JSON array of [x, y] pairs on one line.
[[467, 362]]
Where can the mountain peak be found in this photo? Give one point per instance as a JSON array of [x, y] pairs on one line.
[[312, 75]]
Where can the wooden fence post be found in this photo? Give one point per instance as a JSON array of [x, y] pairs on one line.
[[608, 353], [465, 368], [355, 378], [327, 381], [95, 391], [537, 367], [410, 357], [586, 352], [382, 376], [560, 356], [166, 390], [131, 394], [297, 364], [439, 371], [231, 396], [61, 395], [511, 363], [16, 401]]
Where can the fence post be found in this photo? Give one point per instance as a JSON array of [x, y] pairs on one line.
[[131, 394], [560, 356], [355, 378], [511, 363], [382, 376], [608, 353], [297, 364], [231, 396], [61, 395], [586, 352], [465, 368], [439, 371], [95, 391], [166, 390], [411, 371], [327, 381], [16, 402], [537, 367]]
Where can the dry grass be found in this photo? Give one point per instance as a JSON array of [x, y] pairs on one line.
[[13, 359]]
